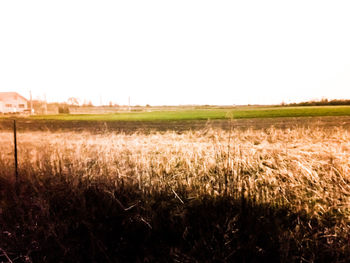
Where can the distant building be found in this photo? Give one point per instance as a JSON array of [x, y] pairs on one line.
[[12, 102]]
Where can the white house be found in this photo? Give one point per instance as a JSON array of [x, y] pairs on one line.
[[12, 102]]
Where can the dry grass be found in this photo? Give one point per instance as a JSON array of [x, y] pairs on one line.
[[306, 170]]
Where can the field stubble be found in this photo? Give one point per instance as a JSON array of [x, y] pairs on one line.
[[130, 127], [305, 170]]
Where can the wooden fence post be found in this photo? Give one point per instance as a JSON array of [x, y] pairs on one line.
[[15, 152]]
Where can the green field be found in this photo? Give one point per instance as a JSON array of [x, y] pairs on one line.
[[204, 114]]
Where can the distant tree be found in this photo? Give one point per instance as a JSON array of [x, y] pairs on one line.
[[321, 102], [73, 101], [63, 109], [87, 103]]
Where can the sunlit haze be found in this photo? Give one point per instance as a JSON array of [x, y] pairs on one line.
[[176, 52]]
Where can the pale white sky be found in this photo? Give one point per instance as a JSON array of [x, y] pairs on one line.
[[176, 52]]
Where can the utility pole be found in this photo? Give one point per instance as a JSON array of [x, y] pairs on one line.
[[129, 104]]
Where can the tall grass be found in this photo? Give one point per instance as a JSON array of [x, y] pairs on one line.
[[280, 195]]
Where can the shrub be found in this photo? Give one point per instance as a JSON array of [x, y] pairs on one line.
[[63, 109]]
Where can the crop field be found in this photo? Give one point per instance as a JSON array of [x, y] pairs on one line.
[[252, 195], [205, 114], [182, 119]]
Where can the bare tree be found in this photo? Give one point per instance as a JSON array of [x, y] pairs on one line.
[[73, 101]]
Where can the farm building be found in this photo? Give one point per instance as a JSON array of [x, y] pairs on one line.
[[12, 102]]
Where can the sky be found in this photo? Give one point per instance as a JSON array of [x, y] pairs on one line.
[[176, 52]]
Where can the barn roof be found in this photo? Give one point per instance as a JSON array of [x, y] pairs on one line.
[[7, 95]]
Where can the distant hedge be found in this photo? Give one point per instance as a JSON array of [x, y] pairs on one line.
[[323, 102]]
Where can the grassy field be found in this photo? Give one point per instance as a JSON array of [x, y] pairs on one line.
[[200, 196], [205, 114]]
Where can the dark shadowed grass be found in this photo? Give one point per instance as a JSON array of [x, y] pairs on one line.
[[60, 218]]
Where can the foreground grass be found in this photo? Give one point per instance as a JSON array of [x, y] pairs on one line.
[[205, 114], [272, 195], [61, 219]]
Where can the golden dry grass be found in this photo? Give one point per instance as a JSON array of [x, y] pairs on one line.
[[307, 169], [255, 196]]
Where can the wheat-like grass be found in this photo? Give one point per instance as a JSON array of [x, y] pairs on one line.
[[306, 169]]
